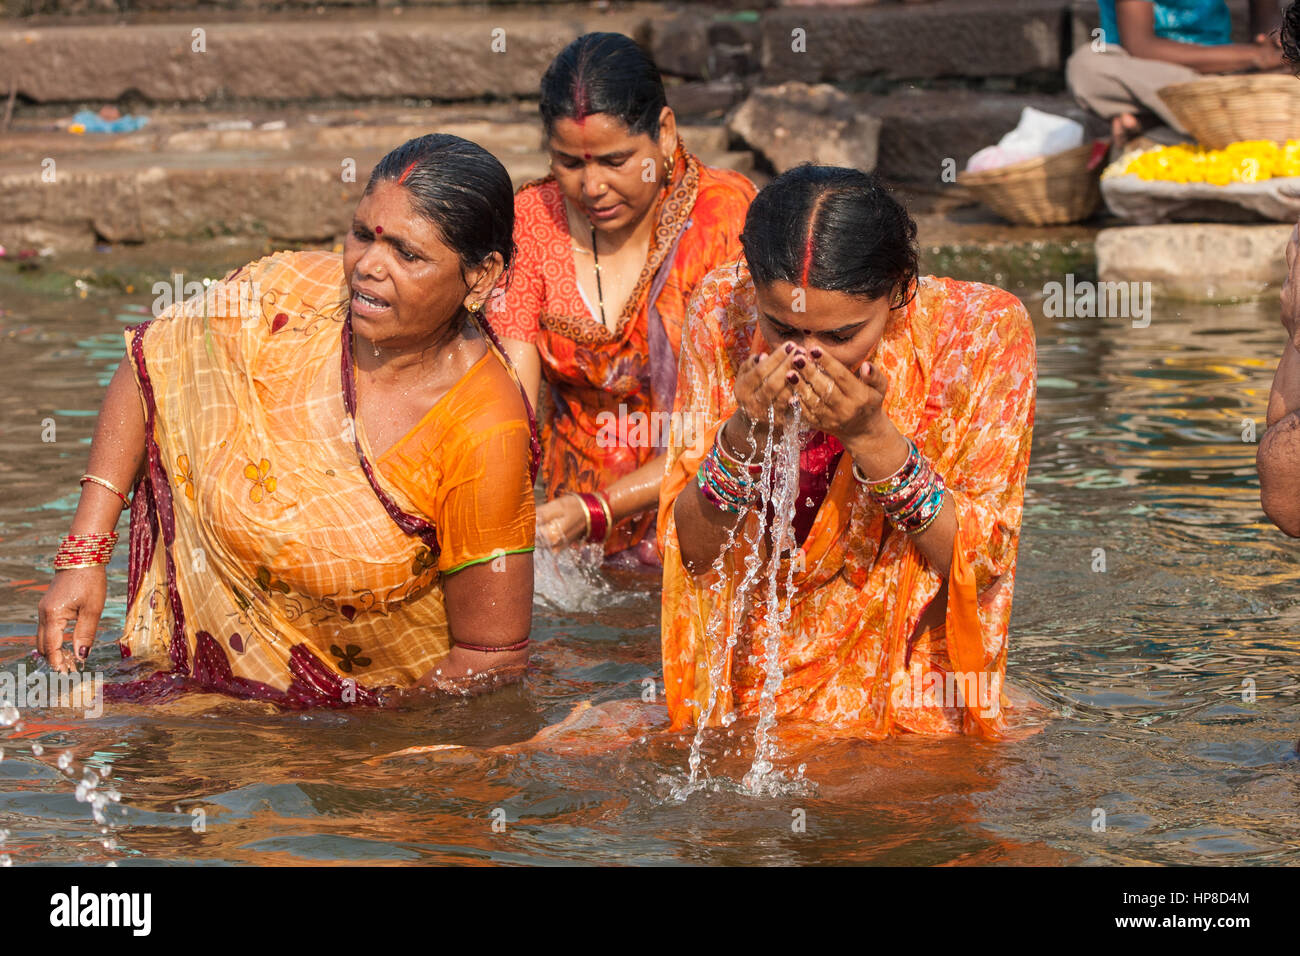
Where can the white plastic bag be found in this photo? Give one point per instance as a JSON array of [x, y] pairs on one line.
[[1037, 134]]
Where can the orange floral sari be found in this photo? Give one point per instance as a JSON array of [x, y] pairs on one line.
[[604, 387], [273, 555], [961, 365]]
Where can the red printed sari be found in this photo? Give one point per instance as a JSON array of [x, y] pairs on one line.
[[605, 386]]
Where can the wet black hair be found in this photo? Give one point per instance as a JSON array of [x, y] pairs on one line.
[[459, 187], [604, 73], [832, 228], [1291, 36]]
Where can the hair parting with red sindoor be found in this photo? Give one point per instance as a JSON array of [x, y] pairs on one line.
[[831, 228], [603, 73]]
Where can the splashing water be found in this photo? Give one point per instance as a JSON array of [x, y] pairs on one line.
[[570, 579], [781, 476], [87, 789], [778, 489]]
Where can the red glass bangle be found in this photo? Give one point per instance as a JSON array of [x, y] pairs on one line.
[[85, 550], [599, 515]]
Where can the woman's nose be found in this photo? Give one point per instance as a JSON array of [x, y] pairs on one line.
[[593, 183], [371, 261]]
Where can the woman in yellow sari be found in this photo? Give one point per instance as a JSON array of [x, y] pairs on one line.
[[332, 464], [893, 581]]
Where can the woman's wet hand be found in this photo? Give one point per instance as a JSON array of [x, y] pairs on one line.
[[838, 401], [75, 597], [765, 382], [561, 522]]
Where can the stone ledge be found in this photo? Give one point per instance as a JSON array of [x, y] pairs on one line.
[[974, 38], [1198, 261], [441, 57]]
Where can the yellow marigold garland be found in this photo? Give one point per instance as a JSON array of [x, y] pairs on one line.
[[1250, 161]]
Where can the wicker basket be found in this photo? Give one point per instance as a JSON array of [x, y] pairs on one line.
[[1044, 191], [1220, 110]]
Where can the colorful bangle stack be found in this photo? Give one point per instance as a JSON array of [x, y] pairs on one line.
[[85, 550], [726, 482], [600, 518], [105, 483], [911, 497]]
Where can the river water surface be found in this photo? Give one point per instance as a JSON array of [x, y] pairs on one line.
[[1155, 617]]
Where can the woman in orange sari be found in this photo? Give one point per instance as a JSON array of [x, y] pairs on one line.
[[332, 464], [610, 247], [893, 580]]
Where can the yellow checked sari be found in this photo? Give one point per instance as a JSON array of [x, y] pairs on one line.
[[961, 366], [272, 555]]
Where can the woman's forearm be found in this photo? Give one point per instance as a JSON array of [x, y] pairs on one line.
[[116, 454], [703, 529], [636, 492]]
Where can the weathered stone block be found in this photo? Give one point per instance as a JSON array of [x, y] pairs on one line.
[[1199, 261], [974, 38], [795, 123]]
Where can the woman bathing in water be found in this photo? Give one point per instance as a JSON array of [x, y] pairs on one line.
[[611, 246], [332, 464], [917, 394]]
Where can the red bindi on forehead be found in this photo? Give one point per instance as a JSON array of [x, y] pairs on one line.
[[379, 230]]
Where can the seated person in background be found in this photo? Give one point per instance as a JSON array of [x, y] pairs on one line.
[[1150, 44]]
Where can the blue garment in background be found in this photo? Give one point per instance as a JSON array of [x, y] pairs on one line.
[[94, 123], [1206, 22]]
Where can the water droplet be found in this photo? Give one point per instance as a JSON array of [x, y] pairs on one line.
[[65, 760], [83, 793], [808, 502], [4, 836], [9, 715], [105, 770], [5, 861], [37, 749]]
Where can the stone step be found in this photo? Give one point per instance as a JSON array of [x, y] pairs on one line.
[[285, 194], [947, 38], [1199, 261], [251, 51], [508, 129], [455, 53]]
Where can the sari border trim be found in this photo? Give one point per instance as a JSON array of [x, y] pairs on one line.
[[490, 557]]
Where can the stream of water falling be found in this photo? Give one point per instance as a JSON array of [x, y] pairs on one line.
[[778, 488]]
